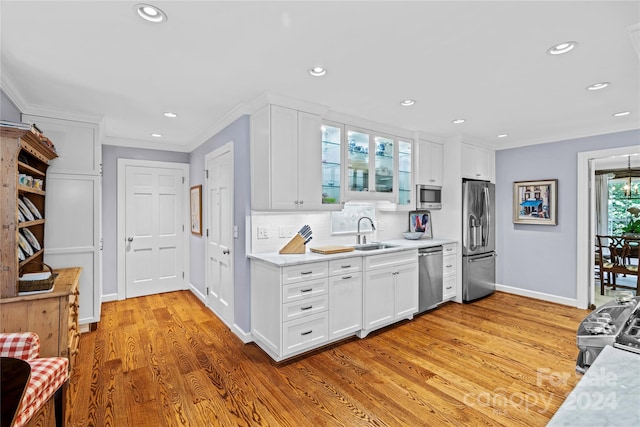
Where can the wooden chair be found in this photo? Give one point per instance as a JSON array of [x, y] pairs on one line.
[[614, 258]]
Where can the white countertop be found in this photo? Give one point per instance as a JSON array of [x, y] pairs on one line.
[[607, 395], [282, 260]]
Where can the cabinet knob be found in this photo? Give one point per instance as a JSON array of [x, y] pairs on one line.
[[225, 251], [296, 202], [301, 201], [129, 239]]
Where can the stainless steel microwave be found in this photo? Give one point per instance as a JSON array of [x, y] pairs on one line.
[[428, 197]]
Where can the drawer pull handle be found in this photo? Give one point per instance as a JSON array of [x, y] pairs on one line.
[[345, 266], [304, 273], [306, 290], [309, 307], [449, 249], [346, 277], [449, 287], [306, 333], [450, 265]]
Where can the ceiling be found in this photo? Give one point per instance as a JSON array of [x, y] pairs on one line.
[[482, 61]]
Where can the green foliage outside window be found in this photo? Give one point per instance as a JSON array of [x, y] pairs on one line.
[[621, 219]]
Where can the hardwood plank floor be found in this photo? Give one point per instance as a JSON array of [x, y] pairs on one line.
[[166, 360]]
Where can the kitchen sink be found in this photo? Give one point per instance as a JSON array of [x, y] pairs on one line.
[[373, 246]]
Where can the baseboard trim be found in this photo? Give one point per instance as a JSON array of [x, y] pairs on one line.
[[109, 297], [202, 297], [572, 302], [245, 337]]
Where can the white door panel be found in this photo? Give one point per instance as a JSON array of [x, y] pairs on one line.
[[219, 202], [154, 228]]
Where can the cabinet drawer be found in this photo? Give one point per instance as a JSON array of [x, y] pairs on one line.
[[346, 265], [393, 259], [448, 264], [448, 286], [299, 273], [449, 249], [303, 290], [305, 333], [306, 307]]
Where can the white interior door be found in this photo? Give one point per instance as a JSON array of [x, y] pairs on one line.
[[154, 230], [219, 202]]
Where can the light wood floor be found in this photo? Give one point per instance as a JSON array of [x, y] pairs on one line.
[[166, 360]]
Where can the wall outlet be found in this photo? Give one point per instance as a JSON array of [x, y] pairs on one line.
[[263, 232], [287, 231]]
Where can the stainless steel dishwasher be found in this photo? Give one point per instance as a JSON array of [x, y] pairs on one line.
[[429, 277]]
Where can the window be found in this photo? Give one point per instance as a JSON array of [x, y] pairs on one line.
[[621, 198]]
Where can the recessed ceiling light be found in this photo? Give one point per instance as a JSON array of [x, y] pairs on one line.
[[150, 13], [622, 113], [408, 102], [156, 135], [502, 135], [561, 48], [317, 71], [170, 114], [457, 121], [598, 86]]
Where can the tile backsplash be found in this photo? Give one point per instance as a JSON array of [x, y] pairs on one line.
[[271, 231]]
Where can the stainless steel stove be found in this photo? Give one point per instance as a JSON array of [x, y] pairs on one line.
[[616, 323]]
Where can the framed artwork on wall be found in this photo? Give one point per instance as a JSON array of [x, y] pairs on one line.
[[196, 210], [535, 202]]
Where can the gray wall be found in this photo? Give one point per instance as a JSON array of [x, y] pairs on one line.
[[8, 110], [238, 133], [535, 257], [110, 156]]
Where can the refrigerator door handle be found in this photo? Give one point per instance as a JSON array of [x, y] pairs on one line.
[[485, 230], [482, 258]]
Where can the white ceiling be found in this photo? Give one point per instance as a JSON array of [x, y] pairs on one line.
[[482, 61]]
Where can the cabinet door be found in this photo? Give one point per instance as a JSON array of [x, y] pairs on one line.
[[477, 163], [469, 162], [357, 179], [385, 151], [406, 290], [430, 163], [345, 304], [77, 144], [309, 162], [405, 175], [284, 158], [378, 297], [332, 164]]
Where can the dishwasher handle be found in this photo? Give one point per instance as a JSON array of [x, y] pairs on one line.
[[435, 250]]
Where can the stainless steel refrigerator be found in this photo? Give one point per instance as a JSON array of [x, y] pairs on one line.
[[478, 239]]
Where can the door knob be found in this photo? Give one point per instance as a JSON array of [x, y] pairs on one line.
[[225, 251], [129, 239]]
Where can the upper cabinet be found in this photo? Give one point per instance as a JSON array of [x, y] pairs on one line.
[[430, 162], [478, 163], [332, 141], [78, 144], [378, 167], [287, 161]]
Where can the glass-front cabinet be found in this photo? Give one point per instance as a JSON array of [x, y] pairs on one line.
[[378, 167], [405, 186], [331, 163]]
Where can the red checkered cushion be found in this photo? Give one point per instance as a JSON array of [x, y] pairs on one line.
[[47, 375], [20, 345]]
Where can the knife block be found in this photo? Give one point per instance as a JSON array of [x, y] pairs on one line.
[[295, 246]]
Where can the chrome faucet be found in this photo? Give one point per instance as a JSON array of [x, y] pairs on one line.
[[364, 238]]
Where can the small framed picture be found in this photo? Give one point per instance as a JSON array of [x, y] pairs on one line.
[[542, 208], [420, 221], [196, 210]]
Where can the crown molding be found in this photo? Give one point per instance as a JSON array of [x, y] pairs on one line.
[[146, 145], [9, 88], [230, 117]]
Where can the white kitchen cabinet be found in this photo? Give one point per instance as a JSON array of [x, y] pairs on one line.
[[289, 307], [74, 202], [406, 186], [345, 297], [449, 271], [390, 289], [332, 142], [430, 161], [286, 160], [478, 163]]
